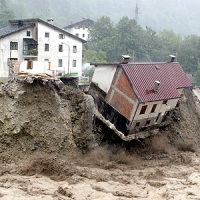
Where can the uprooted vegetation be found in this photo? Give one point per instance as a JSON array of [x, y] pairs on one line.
[[52, 131]]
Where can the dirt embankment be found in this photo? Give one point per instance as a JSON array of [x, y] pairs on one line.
[[39, 118]]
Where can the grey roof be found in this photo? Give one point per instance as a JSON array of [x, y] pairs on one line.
[[10, 29], [85, 22]]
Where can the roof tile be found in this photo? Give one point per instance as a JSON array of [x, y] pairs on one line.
[[142, 77]]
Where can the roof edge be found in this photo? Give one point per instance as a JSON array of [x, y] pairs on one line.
[[16, 31], [33, 20]]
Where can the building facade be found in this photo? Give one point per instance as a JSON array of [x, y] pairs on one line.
[[80, 29], [36, 40]]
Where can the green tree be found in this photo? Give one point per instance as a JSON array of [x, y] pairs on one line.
[[101, 36], [129, 37], [189, 53], [197, 74], [92, 56], [169, 44]]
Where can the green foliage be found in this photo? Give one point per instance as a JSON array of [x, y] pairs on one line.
[[127, 37], [92, 56], [197, 73], [189, 53]]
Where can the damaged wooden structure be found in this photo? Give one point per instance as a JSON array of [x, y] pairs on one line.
[[26, 71], [132, 96]]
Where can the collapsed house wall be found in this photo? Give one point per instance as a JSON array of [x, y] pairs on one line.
[[121, 95]]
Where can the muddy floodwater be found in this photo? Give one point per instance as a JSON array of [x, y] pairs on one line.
[[51, 148]]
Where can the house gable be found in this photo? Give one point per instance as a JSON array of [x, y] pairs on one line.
[[121, 95]]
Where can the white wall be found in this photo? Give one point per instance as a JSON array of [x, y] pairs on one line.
[[103, 76], [5, 49], [37, 67], [160, 108], [53, 55], [80, 32]]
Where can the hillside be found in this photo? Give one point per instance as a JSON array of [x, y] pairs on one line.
[[180, 16]]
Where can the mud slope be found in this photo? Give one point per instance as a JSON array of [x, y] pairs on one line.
[[36, 117]]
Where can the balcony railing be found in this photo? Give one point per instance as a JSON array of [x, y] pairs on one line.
[[33, 52]]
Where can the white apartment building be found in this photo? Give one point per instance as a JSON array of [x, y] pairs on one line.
[[37, 40], [80, 29]]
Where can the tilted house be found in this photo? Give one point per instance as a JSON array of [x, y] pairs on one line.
[[135, 95]]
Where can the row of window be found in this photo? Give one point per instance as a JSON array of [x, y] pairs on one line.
[[60, 63], [60, 48], [83, 35], [60, 36], [144, 108], [78, 27], [14, 46]]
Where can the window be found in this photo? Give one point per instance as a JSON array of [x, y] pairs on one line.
[[59, 62], [77, 35], [143, 110], [165, 101], [74, 63], [13, 45], [61, 36], [46, 35], [28, 33], [74, 49], [83, 35], [46, 47], [153, 108], [60, 48]]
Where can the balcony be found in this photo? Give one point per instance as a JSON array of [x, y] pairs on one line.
[[30, 47], [33, 52]]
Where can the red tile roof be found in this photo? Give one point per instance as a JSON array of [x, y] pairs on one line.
[[142, 77]]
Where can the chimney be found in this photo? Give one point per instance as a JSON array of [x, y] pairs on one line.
[[50, 21], [172, 58], [125, 59], [156, 85]]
